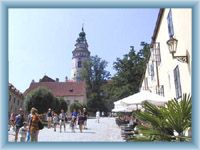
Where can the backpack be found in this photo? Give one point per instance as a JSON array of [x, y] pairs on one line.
[[19, 121]]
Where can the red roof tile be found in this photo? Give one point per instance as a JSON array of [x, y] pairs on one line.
[[61, 89]]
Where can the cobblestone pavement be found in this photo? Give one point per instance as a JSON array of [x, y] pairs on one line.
[[105, 131]]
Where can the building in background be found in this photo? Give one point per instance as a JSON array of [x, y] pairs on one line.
[[80, 54], [70, 91], [16, 99], [169, 69]]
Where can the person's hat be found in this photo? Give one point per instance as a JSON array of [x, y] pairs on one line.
[[34, 110]]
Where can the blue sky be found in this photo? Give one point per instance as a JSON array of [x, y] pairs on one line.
[[41, 41]]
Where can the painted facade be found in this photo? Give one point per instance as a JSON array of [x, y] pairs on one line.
[[16, 99], [165, 75]]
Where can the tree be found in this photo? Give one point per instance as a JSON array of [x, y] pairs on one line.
[[62, 104], [95, 76], [76, 106], [40, 98], [130, 70], [162, 121]]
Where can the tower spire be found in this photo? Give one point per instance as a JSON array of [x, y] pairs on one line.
[[82, 27]]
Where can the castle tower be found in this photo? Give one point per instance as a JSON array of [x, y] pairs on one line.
[[80, 54]]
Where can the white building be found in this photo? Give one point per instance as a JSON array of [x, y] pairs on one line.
[[169, 74]]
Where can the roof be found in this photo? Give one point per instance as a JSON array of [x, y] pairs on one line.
[[47, 79], [60, 89], [13, 89], [155, 33]]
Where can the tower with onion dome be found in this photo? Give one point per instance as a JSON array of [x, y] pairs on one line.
[[79, 55]]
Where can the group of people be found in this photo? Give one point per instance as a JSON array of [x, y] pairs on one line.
[[29, 129], [76, 118]]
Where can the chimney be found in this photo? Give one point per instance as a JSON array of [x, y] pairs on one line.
[[57, 79], [33, 81]]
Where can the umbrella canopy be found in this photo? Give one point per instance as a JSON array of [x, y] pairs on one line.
[[121, 109], [143, 96], [134, 107]]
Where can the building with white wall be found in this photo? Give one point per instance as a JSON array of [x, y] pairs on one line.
[[169, 73]]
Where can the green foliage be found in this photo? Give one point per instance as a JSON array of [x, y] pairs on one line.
[[162, 121], [40, 98], [130, 70], [95, 76], [76, 106], [43, 99], [63, 104]]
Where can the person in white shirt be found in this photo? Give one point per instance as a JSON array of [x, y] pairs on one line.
[[55, 121], [98, 115], [62, 118]]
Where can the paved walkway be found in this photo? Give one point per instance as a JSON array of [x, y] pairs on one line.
[[105, 131]]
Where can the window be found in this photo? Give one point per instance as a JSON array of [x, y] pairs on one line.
[[169, 81], [79, 64], [170, 24], [9, 97], [152, 70], [160, 90], [177, 82], [14, 100], [157, 52], [18, 102], [75, 101], [146, 84]]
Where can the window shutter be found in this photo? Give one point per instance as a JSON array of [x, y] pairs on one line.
[[170, 24]]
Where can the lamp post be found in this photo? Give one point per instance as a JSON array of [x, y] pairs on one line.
[[172, 46]]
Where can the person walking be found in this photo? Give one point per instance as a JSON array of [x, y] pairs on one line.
[[80, 120], [12, 120], [72, 124], [85, 114], [49, 117], [74, 114], [33, 126], [62, 118], [98, 115], [18, 123], [23, 132], [55, 121]]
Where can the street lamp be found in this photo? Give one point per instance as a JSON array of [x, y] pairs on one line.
[[172, 46]]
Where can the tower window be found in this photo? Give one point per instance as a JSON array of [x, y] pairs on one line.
[[79, 64]]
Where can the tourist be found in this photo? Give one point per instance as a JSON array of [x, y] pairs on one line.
[[72, 124], [49, 117], [74, 113], [98, 115], [81, 120], [12, 120], [33, 126], [23, 132], [85, 113], [102, 114], [62, 118], [19, 123], [55, 121]]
